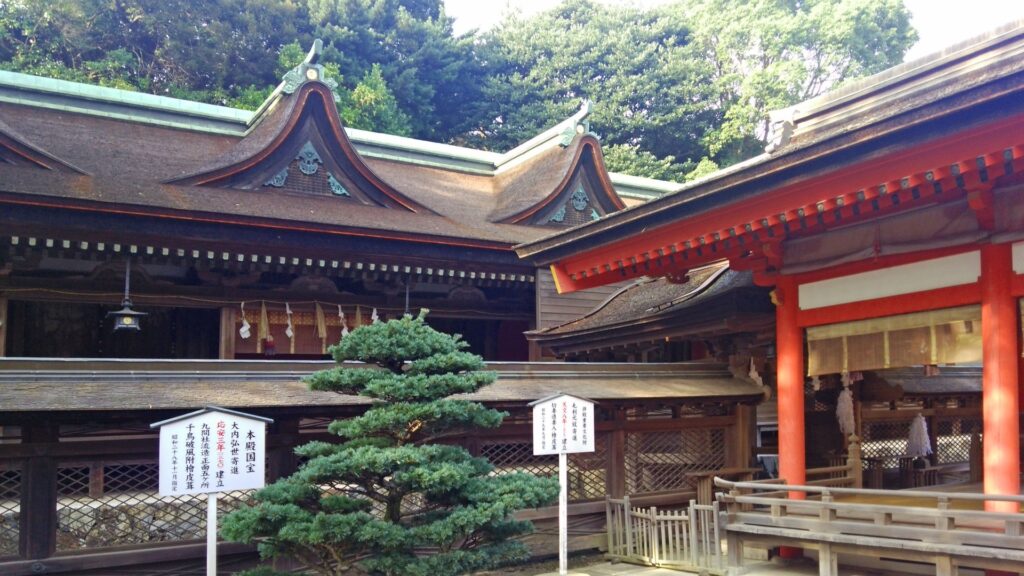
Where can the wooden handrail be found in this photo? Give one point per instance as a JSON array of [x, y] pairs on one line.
[[828, 470], [723, 483]]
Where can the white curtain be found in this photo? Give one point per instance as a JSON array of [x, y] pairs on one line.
[[946, 336]]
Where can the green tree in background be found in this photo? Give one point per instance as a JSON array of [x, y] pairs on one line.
[[391, 487], [676, 89], [433, 75], [176, 47], [636, 66], [371, 106], [230, 52], [692, 80], [631, 159], [771, 54]]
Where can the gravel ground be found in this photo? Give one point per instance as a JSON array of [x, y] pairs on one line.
[[547, 566]]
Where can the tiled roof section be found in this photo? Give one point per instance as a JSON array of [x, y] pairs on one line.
[[114, 103], [18, 150], [545, 176], [652, 297], [127, 161], [38, 385], [147, 110], [461, 197], [305, 122], [267, 127], [906, 87], [529, 181], [138, 167], [238, 206], [115, 149]]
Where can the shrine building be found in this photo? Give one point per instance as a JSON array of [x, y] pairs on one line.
[[158, 256], [886, 219]]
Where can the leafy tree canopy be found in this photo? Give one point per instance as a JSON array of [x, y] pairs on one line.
[[433, 74], [683, 82], [637, 67], [683, 85], [770, 54], [391, 498], [399, 66]]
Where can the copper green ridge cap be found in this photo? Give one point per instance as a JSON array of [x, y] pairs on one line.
[[562, 133], [114, 103], [18, 88]]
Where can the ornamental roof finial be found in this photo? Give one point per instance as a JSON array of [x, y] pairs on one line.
[[308, 71], [576, 124]]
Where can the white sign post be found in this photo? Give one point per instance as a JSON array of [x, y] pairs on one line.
[[563, 424], [210, 451]]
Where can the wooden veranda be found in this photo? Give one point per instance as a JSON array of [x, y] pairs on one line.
[[950, 530], [78, 475]]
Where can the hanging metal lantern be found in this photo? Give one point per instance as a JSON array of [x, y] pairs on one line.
[[126, 318]]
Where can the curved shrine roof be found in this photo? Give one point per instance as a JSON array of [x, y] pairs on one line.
[[165, 169], [713, 300]]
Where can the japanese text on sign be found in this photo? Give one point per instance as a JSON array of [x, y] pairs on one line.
[[211, 451], [563, 424]]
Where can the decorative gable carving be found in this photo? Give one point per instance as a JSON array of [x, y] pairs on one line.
[[587, 196], [578, 209], [298, 145]]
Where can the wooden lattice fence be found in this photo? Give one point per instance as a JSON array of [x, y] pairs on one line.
[[688, 538]]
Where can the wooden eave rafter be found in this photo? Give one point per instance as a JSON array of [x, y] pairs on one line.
[[749, 233], [312, 97], [588, 160], [249, 222], [216, 255]]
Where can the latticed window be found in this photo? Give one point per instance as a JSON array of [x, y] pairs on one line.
[[116, 503], [885, 440], [517, 456], [10, 495], [657, 461], [954, 438], [586, 474]]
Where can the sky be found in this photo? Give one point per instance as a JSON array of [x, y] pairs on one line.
[[939, 23]]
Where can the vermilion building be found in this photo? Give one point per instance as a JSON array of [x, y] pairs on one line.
[[887, 218]]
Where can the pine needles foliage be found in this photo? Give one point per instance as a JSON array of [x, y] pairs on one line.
[[395, 496]]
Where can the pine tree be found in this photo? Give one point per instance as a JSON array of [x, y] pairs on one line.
[[396, 497]]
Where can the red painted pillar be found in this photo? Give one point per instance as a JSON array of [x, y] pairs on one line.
[[789, 350], [1000, 392]]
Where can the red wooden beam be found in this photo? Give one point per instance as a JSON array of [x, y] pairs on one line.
[[891, 305], [961, 150], [982, 203]]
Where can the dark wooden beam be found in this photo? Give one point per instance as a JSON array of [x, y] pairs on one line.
[[38, 506]]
